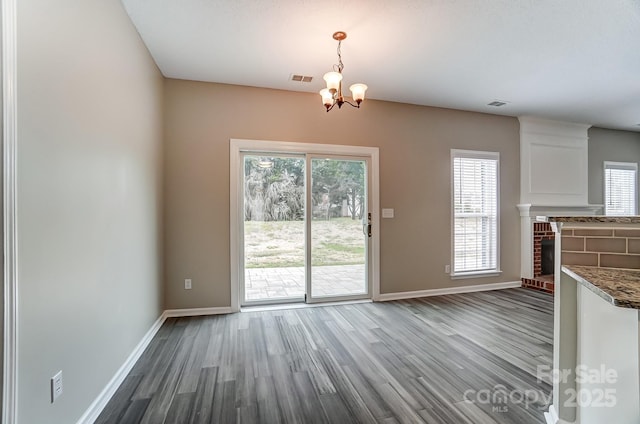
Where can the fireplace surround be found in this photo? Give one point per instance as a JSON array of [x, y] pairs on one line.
[[534, 229], [543, 242]]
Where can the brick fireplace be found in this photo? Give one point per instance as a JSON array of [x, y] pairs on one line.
[[542, 235]]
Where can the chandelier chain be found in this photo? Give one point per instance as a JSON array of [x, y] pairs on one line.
[[340, 66]]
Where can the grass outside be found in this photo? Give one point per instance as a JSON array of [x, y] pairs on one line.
[[275, 244]]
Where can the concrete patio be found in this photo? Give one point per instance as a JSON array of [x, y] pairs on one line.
[[283, 283]]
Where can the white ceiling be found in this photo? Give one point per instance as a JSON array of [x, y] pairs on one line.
[[571, 60]]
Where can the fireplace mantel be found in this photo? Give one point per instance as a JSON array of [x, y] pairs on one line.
[[530, 210]]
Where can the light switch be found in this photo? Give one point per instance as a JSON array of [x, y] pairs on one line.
[[387, 213]]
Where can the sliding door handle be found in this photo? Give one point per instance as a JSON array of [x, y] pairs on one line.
[[368, 232]]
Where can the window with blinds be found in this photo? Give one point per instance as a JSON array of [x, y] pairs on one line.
[[475, 212], [620, 191]]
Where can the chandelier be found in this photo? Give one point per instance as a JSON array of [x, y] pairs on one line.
[[332, 95]]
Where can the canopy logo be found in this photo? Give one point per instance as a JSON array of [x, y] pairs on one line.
[[500, 398]]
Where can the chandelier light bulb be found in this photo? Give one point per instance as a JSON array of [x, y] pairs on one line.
[[357, 92], [327, 97], [333, 80]]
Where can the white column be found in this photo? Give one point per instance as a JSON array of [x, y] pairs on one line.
[[526, 241]]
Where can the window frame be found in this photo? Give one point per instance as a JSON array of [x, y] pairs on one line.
[[474, 154], [631, 166]]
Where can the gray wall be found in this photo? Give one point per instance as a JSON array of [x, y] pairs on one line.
[[609, 145], [414, 143], [89, 203]]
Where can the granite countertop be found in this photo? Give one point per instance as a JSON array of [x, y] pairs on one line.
[[597, 218], [620, 287]]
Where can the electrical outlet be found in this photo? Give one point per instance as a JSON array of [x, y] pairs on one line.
[[447, 269], [56, 386], [187, 284]]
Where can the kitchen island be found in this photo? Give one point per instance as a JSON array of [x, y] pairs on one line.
[[596, 376]]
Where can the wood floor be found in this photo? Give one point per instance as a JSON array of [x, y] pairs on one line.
[[469, 358]]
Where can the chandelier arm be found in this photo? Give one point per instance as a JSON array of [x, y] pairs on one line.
[[357, 105]]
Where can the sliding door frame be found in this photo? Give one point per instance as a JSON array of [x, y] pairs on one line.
[[309, 231], [10, 212], [236, 216]]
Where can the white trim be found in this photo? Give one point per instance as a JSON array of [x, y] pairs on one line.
[[308, 217], [10, 217], [374, 193], [235, 205], [451, 290], [270, 302], [551, 416], [238, 145], [94, 410], [299, 148], [630, 166], [477, 154], [541, 211], [193, 312], [476, 274], [301, 305], [535, 125]]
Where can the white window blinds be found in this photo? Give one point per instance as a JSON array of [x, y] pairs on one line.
[[620, 191], [475, 211]]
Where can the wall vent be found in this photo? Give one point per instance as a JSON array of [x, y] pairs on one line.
[[497, 103], [301, 78]]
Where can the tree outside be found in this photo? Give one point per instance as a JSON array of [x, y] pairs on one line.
[[274, 211]]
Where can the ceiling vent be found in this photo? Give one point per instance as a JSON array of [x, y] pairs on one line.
[[301, 78], [497, 103]]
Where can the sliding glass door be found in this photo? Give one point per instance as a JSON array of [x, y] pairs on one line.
[[306, 227]]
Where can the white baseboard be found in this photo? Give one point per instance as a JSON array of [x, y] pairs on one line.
[[192, 312], [104, 397], [452, 290]]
